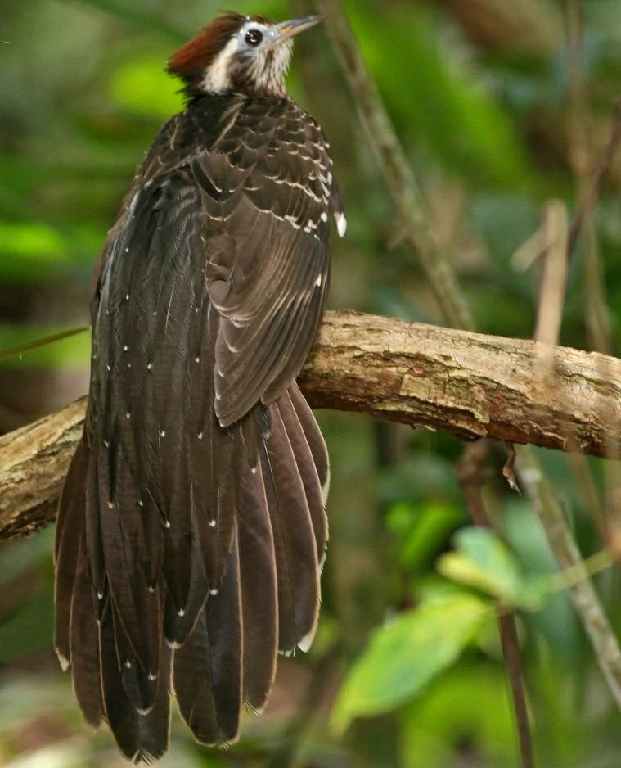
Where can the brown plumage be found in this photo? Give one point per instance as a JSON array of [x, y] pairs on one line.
[[191, 529]]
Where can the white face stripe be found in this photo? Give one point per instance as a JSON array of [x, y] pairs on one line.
[[218, 75], [269, 77]]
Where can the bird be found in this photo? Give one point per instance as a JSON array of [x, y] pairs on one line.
[[191, 528]]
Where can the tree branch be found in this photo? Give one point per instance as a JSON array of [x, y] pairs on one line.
[[466, 384]]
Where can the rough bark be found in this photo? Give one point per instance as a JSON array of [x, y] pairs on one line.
[[466, 384]]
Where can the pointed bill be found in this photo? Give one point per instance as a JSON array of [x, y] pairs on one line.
[[287, 29]]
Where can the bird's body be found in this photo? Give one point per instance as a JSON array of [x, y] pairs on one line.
[[192, 529]]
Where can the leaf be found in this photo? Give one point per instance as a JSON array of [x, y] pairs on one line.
[[405, 654], [484, 562], [29, 629], [421, 529]]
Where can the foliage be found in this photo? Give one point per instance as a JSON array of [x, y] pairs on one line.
[[407, 668]]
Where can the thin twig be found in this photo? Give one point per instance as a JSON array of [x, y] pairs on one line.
[[582, 592], [469, 473], [552, 293], [513, 662], [404, 189], [588, 203], [589, 185]]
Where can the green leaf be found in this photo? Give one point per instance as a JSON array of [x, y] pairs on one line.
[[484, 562], [405, 654], [29, 629]]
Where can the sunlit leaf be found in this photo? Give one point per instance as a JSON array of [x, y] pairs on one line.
[[483, 561], [405, 654]]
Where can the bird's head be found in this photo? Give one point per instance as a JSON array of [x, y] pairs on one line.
[[238, 53]]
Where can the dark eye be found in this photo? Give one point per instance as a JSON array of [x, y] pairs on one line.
[[254, 37]]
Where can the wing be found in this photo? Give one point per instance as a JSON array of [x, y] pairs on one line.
[[203, 474], [267, 188]]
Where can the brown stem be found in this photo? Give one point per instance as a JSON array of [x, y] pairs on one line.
[[470, 474], [405, 192], [513, 663]]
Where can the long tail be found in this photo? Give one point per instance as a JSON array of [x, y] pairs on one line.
[[199, 597]]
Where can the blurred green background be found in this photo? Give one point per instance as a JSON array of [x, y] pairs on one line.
[[501, 106]]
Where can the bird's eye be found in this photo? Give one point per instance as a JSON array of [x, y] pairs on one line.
[[254, 37]]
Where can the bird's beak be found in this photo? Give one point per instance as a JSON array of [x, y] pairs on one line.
[[293, 27]]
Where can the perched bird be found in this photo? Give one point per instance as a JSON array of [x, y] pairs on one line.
[[191, 530]]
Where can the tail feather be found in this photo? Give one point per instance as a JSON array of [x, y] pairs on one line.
[[208, 669], [69, 529], [136, 606], [259, 593], [85, 642], [179, 623], [294, 542], [118, 615], [308, 472], [141, 737], [316, 443]]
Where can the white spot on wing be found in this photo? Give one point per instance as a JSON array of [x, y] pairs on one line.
[[341, 224], [319, 280], [64, 661], [306, 642]]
